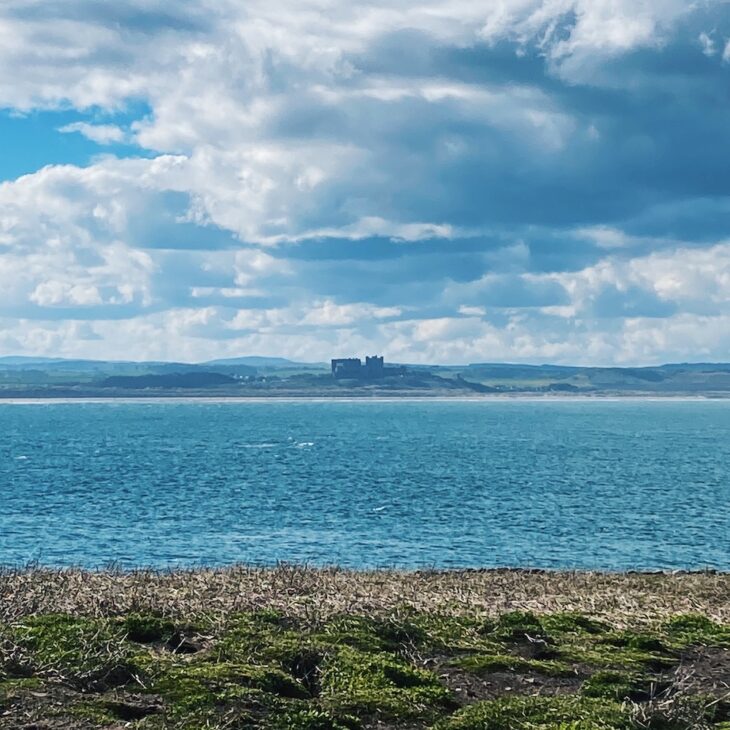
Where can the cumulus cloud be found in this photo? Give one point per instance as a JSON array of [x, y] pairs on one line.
[[522, 179], [99, 133]]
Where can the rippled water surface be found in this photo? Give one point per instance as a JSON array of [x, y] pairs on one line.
[[639, 484]]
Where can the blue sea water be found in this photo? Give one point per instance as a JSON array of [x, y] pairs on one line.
[[558, 484]]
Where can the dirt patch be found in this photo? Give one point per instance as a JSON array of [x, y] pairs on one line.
[[469, 688], [131, 707], [704, 669], [30, 709]]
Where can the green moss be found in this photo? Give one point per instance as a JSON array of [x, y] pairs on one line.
[[267, 670], [572, 623], [620, 686], [482, 664], [147, 628], [209, 718], [636, 640], [12, 688], [612, 649], [364, 684], [608, 656], [90, 654], [197, 684], [453, 634], [267, 638], [517, 626], [688, 629], [372, 634], [540, 713], [311, 719], [262, 637]]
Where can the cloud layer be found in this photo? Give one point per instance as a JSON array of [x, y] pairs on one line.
[[450, 181]]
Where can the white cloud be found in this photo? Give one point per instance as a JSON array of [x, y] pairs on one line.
[[99, 133], [271, 127], [219, 75], [61, 233], [605, 236], [472, 311], [707, 43], [689, 277], [251, 265], [53, 293], [328, 313]]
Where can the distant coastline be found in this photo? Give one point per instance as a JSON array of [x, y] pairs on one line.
[[350, 378], [525, 397]]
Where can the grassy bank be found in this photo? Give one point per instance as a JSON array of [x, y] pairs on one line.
[[322, 649]]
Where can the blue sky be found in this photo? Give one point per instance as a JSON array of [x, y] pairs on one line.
[[439, 181]]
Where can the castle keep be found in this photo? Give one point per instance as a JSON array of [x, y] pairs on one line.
[[372, 369]]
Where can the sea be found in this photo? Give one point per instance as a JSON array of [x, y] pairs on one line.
[[534, 483]]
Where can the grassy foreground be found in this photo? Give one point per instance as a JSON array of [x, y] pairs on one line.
[[304, 649]]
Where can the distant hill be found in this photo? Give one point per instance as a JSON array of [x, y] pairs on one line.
[[700, 367], [83, 365], [674, 378], [18, 360], [260, 362]]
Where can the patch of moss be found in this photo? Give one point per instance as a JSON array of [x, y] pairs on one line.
[[366, 684], [211, 718], [569, 622], [608, 656], [12, 689], [261, 637], [147, 628], [10, 686], [311, 719], [453, 634], [372, 634], [540, 713], [517, 626], [642, 641], [620, 686], [692, 628], [86, 653], [482, 664], [257, 638], [198, 684]]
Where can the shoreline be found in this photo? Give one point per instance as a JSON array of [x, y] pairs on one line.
[[115, 569], [487, 398]]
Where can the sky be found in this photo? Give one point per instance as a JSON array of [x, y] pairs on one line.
[[439, 181]]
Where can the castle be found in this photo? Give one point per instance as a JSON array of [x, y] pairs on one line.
[[373, 368]]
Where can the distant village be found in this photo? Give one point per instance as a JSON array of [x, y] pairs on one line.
[[374, 368]]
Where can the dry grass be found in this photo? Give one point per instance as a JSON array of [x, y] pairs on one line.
[[621, 598]]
